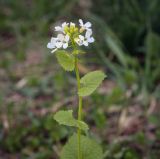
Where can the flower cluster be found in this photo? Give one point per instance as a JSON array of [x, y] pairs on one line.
[[70, 34]]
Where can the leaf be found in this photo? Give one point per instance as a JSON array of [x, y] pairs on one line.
[[66, 118], [82, 125], [89, 148], [90, 82], [66, 60]]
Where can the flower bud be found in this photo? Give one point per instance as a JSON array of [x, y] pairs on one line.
[[81, 30]]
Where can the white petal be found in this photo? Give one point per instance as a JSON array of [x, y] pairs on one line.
[[65, 45], [88, 33], [88, 25], [85, 43], [53, 40], [90, 40], [54, 50], [64, 24], [81, 37], [58, 28], [60, 37], [67, 38], [59, 44], [79, 42], [50, 45], [81, 22]]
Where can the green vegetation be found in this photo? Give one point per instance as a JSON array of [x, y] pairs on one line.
[[123, 113]]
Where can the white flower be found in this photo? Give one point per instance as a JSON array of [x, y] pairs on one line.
[[79, 40], [88, 36], [62, 41], [85, 40], [61, 28], [85, 26], [52, 44]]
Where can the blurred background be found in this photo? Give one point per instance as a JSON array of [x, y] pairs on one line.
[[123, 113]]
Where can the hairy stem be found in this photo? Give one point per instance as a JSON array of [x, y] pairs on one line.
[[79, 108]]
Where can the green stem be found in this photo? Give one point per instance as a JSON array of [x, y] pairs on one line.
[[79, 108]]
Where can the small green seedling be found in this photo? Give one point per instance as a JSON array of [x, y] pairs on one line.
[[70, 37]]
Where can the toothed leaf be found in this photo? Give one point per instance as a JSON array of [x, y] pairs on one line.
[[66, 60], [90, 82], [66, 118], [89, 149]]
